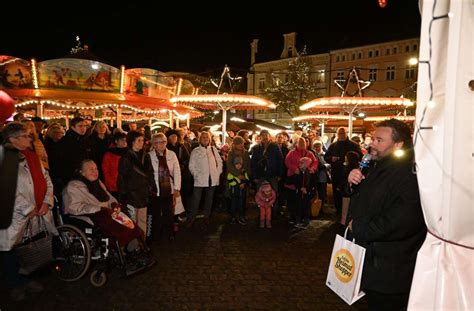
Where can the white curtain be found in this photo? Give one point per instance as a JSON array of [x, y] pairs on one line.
[[444, 273]]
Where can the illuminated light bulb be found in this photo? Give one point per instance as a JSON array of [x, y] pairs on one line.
[[435, 128], [450, 15], [431, 104], [413, 61], [399, 153]]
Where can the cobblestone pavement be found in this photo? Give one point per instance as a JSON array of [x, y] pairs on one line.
[[219, 268]]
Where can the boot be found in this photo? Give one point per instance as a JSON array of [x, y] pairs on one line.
[[262, 223], [269, 223]]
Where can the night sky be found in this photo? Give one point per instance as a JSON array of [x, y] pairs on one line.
[[192, 38]]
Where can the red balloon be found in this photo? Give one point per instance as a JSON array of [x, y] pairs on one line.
[[7, 106], [382, 3]]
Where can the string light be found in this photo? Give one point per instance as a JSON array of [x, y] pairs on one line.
[[34, 73], [122, 79], [431, 103]]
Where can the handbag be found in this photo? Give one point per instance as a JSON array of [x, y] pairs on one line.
[[35, 251], [345, 269], [178, 207]]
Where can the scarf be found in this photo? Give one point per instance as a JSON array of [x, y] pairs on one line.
[[95, 189], [39, 181], [164, 178]]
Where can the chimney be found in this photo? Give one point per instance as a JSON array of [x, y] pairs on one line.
[[289, 49], [253, 51]]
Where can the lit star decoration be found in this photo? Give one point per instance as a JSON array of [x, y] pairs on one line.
[[353, 77]]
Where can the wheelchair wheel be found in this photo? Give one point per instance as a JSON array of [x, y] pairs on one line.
[[74, 254], [97, 278]]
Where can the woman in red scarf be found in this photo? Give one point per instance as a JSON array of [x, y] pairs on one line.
[[34, 197]]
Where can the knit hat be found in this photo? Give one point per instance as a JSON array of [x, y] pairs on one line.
[[172, 132], [307, 161], [238, 159], [266, 186]]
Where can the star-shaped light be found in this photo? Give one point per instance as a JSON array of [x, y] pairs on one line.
[[353, 77]]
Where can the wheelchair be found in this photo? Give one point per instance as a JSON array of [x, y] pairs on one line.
[[80, 247]]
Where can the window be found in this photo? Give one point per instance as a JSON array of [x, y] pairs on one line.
[[370, 53], [320, 76], [360, 55], [407, 48], [410, 72], [415, 47], [387, 52], [353, 56], [261, 83], [343, 58], [373, 74], [337, 58], [391, 73], [376, 53], [340, 75], [395, 50]]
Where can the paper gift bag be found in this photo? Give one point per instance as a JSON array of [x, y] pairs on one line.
[[345, 269]]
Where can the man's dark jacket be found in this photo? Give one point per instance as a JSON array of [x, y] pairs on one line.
[[135, 178], [388, 222], [340, 149], [273, 158], [72, 150]]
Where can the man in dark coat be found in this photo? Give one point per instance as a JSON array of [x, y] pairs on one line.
[[387, 219], [335, 156], [73, 149], [266, 162]]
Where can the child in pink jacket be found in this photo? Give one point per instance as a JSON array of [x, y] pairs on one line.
[[265, 198]]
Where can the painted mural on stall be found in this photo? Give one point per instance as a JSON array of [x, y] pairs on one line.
[[149, 82], [15, 72], [78, 74]]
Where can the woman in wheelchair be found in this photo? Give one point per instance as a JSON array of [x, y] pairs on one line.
[[87, 196]]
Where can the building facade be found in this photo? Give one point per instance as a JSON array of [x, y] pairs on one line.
[[389, 66]]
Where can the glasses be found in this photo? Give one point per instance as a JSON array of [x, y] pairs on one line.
[[23, 135], [161, 142]]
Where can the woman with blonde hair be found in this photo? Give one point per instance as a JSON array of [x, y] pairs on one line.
[[99, 142], [36, 144], [205, 164]]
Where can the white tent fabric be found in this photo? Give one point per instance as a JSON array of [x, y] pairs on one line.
[[444, 273]]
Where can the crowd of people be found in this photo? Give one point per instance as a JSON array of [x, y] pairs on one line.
[[96, 172]]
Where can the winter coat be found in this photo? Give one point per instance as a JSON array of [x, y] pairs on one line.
[[303, 180], [230, 162], [263, 200], [72, 151], [24, 204], [55, 158], [79, 201], [340, 149], [205, 162], [183, 153], [133, 179], [110, 167], [322, 174], [98, 147], [292, 163], [173, 167], [266, 164], [387, 220]]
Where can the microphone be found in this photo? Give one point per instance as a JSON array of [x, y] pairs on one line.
[[365, 163]]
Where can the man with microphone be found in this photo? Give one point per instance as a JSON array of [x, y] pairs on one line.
[[387, 219]]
